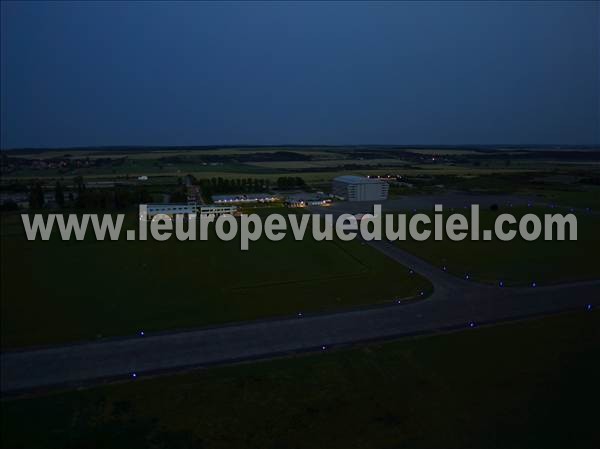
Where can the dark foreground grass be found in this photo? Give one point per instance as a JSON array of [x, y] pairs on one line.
[[57, 291], [588, 197], [518, 262], [531, 384]]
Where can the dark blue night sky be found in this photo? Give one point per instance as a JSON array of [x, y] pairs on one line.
[[299, 73]]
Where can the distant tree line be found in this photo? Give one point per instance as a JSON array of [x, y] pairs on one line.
[[221, 185], [214, 186], [238, 185], [290, 182], [81, 197], [117, 197]]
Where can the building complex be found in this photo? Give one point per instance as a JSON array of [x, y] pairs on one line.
[[359, 188]]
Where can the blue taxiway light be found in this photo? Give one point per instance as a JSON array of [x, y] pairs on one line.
[[534, 284], [421, 293], [467, 277], [323, 348], [142, 333], [588, 307], [471, 324], [134, 375], [501, 283]]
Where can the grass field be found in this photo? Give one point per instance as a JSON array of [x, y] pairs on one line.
[[531, 384], [590, 197], [135, 167], [155, 154], [59, 291], [170, 175], [518, 262], [393, 164]]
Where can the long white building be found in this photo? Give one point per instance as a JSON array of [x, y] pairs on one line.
[[187, 208], [359, 188]]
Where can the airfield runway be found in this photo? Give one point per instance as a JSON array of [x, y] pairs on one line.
[[454, 304]]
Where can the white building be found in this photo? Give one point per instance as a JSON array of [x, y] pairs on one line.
[[185, 208], [245, 198], [359, 188]]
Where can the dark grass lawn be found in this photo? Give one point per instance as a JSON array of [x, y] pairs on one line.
[[57, 291], [518, 262], [581, 198], [531, 384]]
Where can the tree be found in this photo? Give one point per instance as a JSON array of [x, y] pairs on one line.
[[290, 183], [80, 188], [179, 195], [36, 196], [59, 195], [9, 205]]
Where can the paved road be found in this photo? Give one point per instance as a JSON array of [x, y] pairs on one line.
[[454, 304]]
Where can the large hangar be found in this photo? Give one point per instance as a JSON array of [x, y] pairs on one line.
[[359, 188]]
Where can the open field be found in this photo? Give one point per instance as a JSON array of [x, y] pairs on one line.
[[120, 163], [532, 382], [136, 167], [81, 290], [590, 197], [518, 262], [391, 163], [156, 154], [171, 174], [453, 152]]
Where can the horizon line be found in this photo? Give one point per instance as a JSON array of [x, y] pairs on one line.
[[292, 145]]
